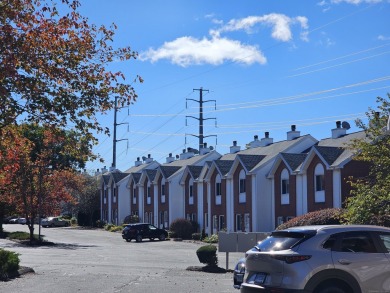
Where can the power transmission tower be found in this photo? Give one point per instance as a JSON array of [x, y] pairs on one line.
[[114, 138], [201, 119]]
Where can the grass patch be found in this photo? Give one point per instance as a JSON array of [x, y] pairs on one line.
[[21, 236]]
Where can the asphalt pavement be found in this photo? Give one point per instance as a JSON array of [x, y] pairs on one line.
[[100, 261]]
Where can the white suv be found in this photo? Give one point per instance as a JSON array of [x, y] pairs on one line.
[[320, 259]]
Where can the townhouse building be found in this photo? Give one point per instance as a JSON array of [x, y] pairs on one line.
[[315, 179], [251, 189]]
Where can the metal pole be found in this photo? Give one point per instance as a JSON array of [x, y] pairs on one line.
[[39, 203], [114, 140]]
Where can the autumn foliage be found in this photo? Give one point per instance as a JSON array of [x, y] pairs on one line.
[[54, 66]]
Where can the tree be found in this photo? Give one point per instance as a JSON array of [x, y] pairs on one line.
[[54, 66], [370, 200], [35, 181], [88, 199]]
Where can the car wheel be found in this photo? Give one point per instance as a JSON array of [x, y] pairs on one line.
[[330, 289], [161, 237], [151, 239], [138, 238], [128, 239]]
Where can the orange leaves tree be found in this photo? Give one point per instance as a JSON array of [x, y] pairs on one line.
[[54, 66], [36, 176]]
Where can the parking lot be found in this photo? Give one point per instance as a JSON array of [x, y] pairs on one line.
[[101, 261]]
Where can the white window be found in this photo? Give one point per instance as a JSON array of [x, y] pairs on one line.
[[319, 183], [218, 190], [239, 222], [163, 191], [166, 219], [221, 222], [191, 192], [242, 187], [215, 224], [280, 221], [206, 221], [149, 195], [134, 195], [247, 222], [285, 187]]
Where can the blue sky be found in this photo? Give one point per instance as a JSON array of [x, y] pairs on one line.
[[268, 65]]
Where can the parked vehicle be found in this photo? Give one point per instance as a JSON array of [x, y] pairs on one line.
[[22, 221], [319, 259], [14, 221], [54, 222], [238, 273], [141, 231]]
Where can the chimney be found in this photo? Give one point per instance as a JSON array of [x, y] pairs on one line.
[[170, 159], [235, 148], [204, 150], [104, 170], [293, 133], [266, 140], [138, 162], [112, 168], [97, 172], [338, 131], [149, 159], [255, 143], [186, 155]]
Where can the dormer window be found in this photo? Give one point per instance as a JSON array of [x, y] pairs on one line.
[[319, 183], [242, 186], [218, 190], [191, 192], [285, 187]]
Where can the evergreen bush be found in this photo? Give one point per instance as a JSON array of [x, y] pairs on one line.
[[207, 254], [182, 228], [9, 263]]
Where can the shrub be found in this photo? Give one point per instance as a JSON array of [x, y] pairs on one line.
[[182, 228], [196, 236], [100, 224], [9, 263], [207, 254], [322, 217], [131, 219], [172, 234], [73, 221], [211, 239]]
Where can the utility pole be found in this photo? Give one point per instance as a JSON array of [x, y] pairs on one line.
[[201, 119], [114, 138]]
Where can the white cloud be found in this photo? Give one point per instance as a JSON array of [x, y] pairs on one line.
[[383, 38], [215, 50], [280, 23], [357, 2], [187, 51]]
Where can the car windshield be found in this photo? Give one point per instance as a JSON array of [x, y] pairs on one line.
[[282, 240]]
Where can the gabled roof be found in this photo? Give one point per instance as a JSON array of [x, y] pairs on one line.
[[137, 169], [168, 171], [136, 177], [223, 166], [293, 161], [151, 174], [250, 161], [272, 150], [106, 178], [329, 154], [118, 176], [195, 171]]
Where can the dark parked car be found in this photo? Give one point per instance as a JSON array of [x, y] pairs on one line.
[[319, 259], [141, 231]]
